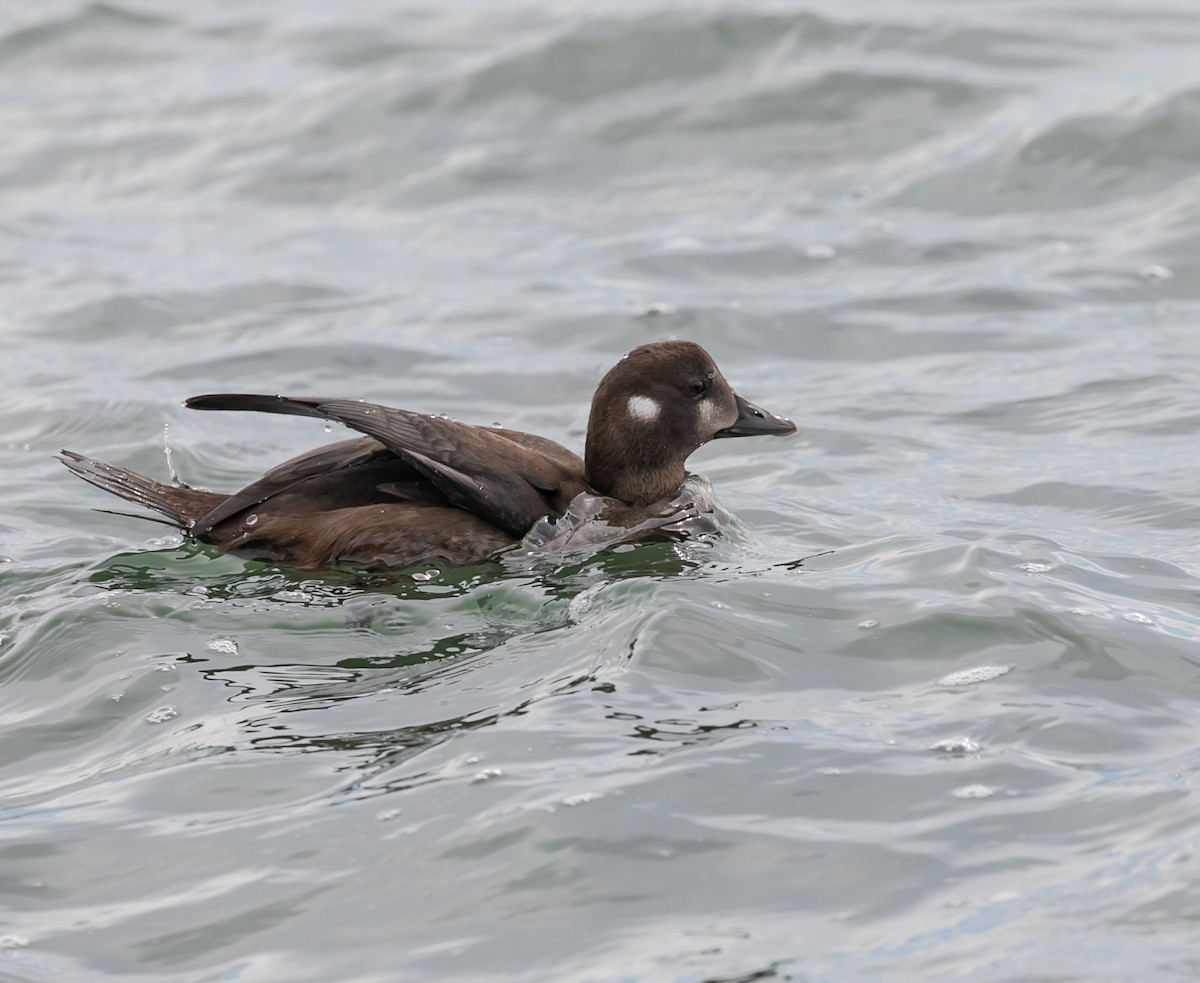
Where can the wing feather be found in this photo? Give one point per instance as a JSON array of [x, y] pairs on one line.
[[509, 479]]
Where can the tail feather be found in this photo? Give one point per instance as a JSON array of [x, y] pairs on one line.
[[179, 503]]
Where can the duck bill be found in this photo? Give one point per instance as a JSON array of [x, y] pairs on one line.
[[754, 421]]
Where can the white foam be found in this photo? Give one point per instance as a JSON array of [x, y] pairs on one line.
[[978, 674]]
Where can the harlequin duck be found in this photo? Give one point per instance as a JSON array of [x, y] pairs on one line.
[[420, 487]]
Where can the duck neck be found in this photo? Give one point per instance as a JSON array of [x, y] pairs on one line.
[[630, 479]]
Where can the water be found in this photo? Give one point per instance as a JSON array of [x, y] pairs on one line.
[[927, 710]]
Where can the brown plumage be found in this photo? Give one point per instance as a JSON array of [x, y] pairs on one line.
[[419, 488]]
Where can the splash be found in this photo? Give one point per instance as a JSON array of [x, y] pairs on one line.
[[175, 479], [695, 511]]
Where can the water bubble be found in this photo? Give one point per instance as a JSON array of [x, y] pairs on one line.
[[161, 715], [956, 745], [657, 309], [1035, 567], [1137, 618], [329, 428], [1156, 272], [252, 519], [973, 792], [979, 674], [225, 646]]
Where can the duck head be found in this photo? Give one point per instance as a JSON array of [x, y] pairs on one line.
[[653, 409]]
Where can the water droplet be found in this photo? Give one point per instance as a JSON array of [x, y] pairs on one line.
[[388, 815], [1137, 618], [167, 450], [1035, 567], [956, 745], [979, 674], [973, 792], [1156, 272], [161, 715], [820, 250], [657, 309], [869, 623], [225, 646], [252, 519], [329, 428]]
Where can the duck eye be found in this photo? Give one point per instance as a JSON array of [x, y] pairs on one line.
[[697, 386]]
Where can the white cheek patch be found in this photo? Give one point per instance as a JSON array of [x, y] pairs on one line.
[[711, 417], [643, 408]]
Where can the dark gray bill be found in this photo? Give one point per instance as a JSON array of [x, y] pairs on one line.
[[753, 421]]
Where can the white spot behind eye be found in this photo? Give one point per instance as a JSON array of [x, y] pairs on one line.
[[709, 415], [643, 408]]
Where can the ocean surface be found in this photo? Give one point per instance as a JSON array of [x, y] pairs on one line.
[[926, 709]]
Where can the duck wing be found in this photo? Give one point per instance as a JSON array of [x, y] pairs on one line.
[[507, 481], [361, 471]]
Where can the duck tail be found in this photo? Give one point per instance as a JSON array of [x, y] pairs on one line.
[[181, 504]]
